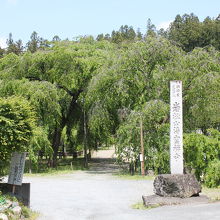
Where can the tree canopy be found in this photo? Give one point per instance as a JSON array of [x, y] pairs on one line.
[[104, 87]]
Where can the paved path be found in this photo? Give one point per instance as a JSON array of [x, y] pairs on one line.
[[98, 195]]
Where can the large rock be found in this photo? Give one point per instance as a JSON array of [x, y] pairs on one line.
[[177, 185]]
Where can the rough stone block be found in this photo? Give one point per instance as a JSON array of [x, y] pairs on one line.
[[176, 185]]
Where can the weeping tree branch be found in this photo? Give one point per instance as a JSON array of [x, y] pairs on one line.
[[32, 78], [65, 118]]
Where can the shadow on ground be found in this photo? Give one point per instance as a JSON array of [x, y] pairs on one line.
[[105, 166]]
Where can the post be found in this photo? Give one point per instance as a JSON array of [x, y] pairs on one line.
[[71, 165], [142, 149], [176, 128], [85, 139], [13, 189]]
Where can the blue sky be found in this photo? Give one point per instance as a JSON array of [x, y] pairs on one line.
[[72, 18]]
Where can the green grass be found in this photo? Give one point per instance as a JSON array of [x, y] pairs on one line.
[[212, 193], [127, 176], [26, 212], [29, 214], [50, 172], [65, 165], [141, 206]]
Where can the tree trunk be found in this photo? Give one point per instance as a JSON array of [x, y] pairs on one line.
[[131, 168], [58, 130], [85, 140], [56, 144]]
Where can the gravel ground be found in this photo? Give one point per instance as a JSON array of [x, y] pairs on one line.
[[99, 195]]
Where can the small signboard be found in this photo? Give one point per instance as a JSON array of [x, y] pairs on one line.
[[141, 157], [17, 168]]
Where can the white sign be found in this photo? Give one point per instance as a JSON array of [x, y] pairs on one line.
[[176, 128], [17, 168], [141, 157]]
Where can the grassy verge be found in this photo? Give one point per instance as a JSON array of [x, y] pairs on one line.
[[212, 193], [49, 172], [65, 165], [29, 214], [141, 206], [127, 176], [26, 213]]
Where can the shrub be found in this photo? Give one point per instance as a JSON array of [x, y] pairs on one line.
[[200, 150], [212, 176], [154, 115], [17, 122]]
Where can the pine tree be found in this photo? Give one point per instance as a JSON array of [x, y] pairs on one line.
[[34, 44]]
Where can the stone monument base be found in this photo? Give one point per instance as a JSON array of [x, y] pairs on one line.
[[155, 200], [174, 189]]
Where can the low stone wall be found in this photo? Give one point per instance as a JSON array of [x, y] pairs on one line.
[[22, 193]]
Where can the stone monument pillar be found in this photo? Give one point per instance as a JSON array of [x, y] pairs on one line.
[[176, 128], [172, 188]]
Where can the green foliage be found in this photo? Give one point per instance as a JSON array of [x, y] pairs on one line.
[[43, 97], [188, 32], [39, 142], [7, 65], [140, 75], [200, 150], [14, 47], [65, 165], [212, 176], [17, 123], [212, 193], [199, 72], [108, 85], [53, 81], [154, 115], [141, 206], [128, 83]]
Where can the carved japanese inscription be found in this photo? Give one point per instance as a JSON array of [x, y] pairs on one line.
[[176, 128]]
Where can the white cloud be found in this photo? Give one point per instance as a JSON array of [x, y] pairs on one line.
[[3, 42], [164, 25]]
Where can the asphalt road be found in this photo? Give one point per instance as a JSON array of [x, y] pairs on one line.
[[99, 195]]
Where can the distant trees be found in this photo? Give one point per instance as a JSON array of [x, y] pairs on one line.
[[56, 38], [37, 42], [14, 47], [188, 32], [125, 33], [151, 29], [2, 52]]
